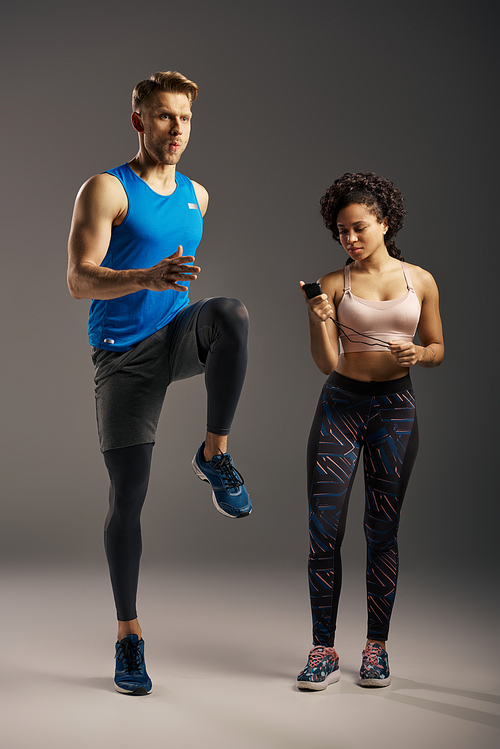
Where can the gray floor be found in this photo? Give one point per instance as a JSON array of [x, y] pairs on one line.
[[223, 651]]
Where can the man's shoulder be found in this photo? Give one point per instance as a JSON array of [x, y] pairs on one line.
[[201, 195], [123, 171], [102, 189], [109, 177]]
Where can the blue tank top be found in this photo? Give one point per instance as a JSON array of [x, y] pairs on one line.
[[154, 227]]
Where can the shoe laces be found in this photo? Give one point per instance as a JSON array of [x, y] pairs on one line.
[[129, 652], [371, 653], [317, 654], [230, 477]]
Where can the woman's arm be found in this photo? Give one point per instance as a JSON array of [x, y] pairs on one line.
[[430, 332], [322, 330]]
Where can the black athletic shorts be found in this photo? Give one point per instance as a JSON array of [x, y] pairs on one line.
[[130, 386]]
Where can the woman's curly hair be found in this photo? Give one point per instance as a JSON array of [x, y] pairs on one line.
[[377, 194]]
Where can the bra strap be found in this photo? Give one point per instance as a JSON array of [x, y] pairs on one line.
[[406, 271], [347, 278]]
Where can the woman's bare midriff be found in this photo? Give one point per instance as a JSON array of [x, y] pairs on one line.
[[372, 366]]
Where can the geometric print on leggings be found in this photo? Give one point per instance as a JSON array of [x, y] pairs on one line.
[[382, 426]]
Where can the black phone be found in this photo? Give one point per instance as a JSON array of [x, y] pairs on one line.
[[312, 290]]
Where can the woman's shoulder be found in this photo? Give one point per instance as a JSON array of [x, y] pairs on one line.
[[333, 285], [333, 278], [421, 278], [419, 273]]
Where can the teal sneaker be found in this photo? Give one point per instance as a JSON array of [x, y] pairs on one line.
[[130, 674], [228, 489], [322, 669]]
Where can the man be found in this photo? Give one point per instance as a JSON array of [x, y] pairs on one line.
[[131, 227]]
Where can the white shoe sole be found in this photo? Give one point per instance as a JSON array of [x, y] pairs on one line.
[[202, 477], [374, 682], [318, 686], [127, 691]]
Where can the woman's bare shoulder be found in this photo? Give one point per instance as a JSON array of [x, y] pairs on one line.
[[332, 279], [333, 285], [421, 278]]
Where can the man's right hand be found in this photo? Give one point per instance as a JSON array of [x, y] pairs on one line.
[[171, 272]]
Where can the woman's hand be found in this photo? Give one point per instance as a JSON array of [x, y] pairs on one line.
[[319, 307], [322, 330], [406, 354]]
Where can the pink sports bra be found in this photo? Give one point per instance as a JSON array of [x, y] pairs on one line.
[[391, 320]]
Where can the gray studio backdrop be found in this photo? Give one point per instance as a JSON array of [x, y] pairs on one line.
[[292, 95]]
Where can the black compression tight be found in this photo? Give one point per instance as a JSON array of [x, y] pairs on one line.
[[128, 469], [222, 335], [222, 332]]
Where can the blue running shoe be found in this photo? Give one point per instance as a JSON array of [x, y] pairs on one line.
[[130, 674], [322, 669], [374, 670], [228, 491]]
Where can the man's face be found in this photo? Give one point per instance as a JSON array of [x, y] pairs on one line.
[[165, 121]]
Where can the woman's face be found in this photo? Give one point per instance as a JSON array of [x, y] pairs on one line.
[[360, 232]]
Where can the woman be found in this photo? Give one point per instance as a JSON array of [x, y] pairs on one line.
[[362, 327]]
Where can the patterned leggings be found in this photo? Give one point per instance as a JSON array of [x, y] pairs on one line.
[[379, 416]]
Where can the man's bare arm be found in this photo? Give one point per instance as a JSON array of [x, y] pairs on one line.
[[100, 204]]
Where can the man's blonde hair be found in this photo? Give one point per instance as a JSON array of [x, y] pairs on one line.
[[170, 81]]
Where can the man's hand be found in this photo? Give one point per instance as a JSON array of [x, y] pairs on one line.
[[170, 271]]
